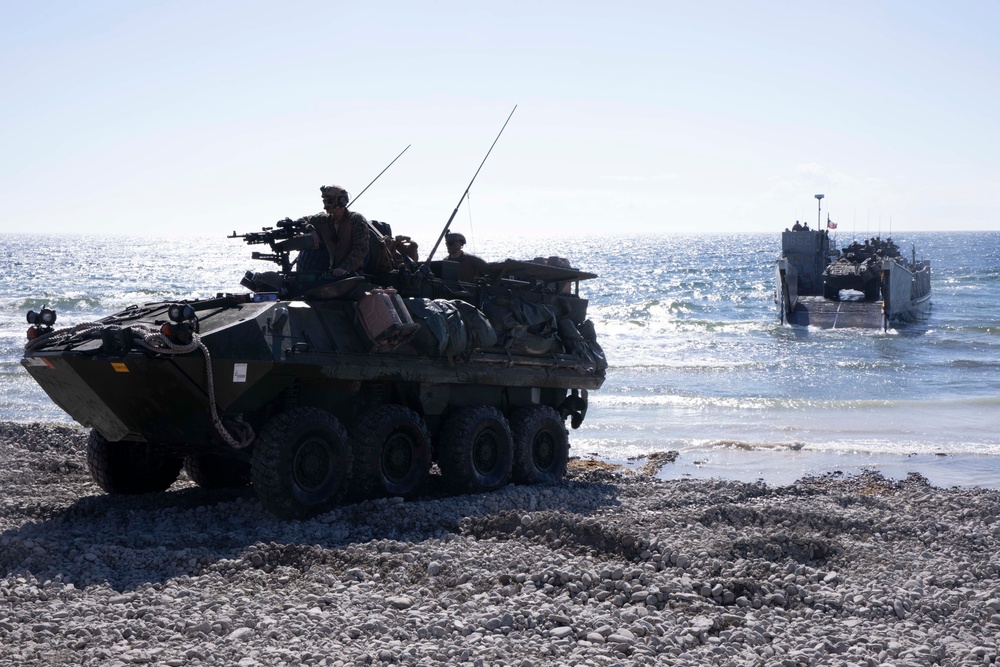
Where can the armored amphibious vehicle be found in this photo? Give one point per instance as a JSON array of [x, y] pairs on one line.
[[314, 389]]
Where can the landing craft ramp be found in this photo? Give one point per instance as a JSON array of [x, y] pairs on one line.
[[815, 311]]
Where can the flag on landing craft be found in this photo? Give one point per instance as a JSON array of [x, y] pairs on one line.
[[830, 224]]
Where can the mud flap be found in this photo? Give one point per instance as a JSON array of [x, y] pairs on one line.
[[575, 407]]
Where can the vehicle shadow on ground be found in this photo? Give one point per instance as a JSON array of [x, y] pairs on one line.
[[126, 542]]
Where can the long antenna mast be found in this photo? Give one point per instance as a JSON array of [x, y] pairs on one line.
[[356, 198], [455, 212]]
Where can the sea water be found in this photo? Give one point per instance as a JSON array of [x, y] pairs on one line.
[[699, 363]]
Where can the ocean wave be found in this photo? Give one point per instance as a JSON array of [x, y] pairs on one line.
[[852, 452], [907, 447], [750, 446], [867, 364], [974, 278], [656, 330], [976, 329], [758, 403], [56, 302], [649, 364], [697, 402], [973, 364]]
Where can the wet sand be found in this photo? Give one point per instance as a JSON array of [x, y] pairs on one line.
[[786, 466]]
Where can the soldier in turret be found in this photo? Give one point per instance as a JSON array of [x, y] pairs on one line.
[[470, 267], [343, 233]]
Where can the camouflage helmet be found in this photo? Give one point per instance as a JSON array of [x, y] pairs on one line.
[[335, 194], [454, 238]]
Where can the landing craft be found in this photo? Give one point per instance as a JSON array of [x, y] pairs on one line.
[[865, 285]]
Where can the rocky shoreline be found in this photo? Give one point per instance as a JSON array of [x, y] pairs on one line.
[[606, 568]]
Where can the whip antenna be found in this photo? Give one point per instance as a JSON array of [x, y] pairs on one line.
[[377, 177], [455, 212]]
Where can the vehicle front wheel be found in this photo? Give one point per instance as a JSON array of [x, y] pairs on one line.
[[301, 463], [541, 445], [476, 450], [130, 467], [392, 452]]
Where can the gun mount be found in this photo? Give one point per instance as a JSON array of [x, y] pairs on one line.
[[285, 237]]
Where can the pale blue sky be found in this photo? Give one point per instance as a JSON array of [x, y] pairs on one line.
[[651, 116]]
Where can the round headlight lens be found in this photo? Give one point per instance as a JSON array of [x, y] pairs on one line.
[[179, 312], [47, 317]]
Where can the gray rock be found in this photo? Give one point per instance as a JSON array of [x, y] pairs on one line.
[[240, 634], [832, 571]]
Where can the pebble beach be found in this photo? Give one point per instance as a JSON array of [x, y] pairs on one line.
[[612, 566]]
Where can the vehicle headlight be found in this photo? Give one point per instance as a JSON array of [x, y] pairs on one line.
[[47, 317], [180, 312]]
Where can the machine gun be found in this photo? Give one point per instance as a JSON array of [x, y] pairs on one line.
[[284, 238]]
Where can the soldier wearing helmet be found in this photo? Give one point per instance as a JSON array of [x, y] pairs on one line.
[[470, 267], [344, 235]]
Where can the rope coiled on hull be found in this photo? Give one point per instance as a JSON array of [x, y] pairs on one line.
[[153, 340]]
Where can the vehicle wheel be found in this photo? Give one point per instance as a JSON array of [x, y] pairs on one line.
[[392, 453], [477, 450], [541, 445], [130, 467], [214, 471], [301, 463]]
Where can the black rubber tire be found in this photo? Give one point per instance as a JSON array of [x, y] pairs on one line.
[[301, 463], [130, 467], [477, 450], [214, 471], [392, 453], [541, 445]]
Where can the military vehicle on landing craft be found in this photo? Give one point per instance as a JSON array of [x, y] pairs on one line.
[[313, 389]]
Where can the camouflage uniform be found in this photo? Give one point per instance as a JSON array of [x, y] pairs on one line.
[[344, 249], [470, 267]]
